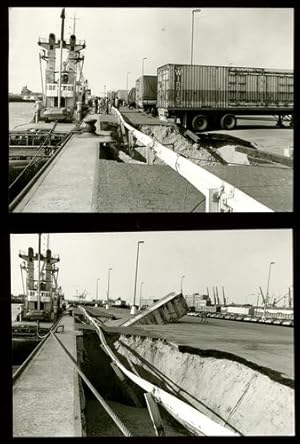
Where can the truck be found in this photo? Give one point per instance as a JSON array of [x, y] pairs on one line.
[[202, 96], [146, 93], [131, 98], [122, 94]]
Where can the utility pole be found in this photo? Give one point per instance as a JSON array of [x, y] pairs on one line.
[[133, 308], [192, 43]]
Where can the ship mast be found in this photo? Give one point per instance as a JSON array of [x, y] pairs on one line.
[[39, 275], [62, 16]]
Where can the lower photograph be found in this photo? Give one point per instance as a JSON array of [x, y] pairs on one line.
[[153, 333]]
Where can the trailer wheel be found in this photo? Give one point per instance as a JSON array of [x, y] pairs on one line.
[[200, 122], [228, 121]]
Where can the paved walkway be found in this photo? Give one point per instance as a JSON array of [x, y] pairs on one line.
[[144, 188], [270, 186], [46, 399], [68, 183]]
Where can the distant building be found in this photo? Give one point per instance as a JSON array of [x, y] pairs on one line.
[[275, 312], [29, 95]]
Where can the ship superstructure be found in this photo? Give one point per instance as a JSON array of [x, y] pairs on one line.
[[65, 88], [43, 296]]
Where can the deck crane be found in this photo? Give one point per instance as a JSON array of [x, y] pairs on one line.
[[214, 296]]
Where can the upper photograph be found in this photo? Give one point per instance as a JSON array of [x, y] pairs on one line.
[[151, 110]]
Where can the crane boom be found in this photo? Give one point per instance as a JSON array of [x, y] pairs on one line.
[[262, 295], [224, 298], [217, 295]]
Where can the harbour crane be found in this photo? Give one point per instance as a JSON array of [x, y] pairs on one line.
[[262, 295], [214, 296], [217, 296], [224, 298], [290, 297], [286, 295]]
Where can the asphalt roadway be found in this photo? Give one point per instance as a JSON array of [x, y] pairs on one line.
[[261, 131], [269, 346]]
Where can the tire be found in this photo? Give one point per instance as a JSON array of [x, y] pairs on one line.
[[200, 122], [228, 121]]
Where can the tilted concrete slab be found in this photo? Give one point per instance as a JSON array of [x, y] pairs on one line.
[[168, 309]]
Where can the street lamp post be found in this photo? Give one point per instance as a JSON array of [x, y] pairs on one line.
[[107, 294], [267, 292], [142, 283], [192, 43], [133, 308], [96, 303], [127, 80], [143, 59], [181, 281]]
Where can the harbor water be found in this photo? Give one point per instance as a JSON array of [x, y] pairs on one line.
[[20, 113], [14, 311]]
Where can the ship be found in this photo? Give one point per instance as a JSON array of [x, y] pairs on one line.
[[66, 92], [43, 301], [63, 104]]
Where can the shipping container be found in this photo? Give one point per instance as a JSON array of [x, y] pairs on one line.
[[241, 310], [131, 97], [275, 313], [220, 92], [146, 92], [122, 94], [208, 308]]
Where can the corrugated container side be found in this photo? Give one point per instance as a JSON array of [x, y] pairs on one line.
[[146, 90], [131, 95], [200, 86]]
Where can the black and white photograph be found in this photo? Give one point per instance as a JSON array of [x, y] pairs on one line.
[[153, 333], [151, 110]]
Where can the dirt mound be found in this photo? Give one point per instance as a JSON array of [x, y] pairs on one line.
[[226, 391], [172, 139]]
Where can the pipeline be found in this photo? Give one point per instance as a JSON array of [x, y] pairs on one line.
[[217, 192]]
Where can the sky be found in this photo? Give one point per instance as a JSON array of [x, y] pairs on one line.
[[118, 39], [239, 260]]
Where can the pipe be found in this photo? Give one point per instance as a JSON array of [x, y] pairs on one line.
[[207, 183]]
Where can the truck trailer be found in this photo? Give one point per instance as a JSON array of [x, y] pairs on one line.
[[199, 96], [146, 92], [131, 98]]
